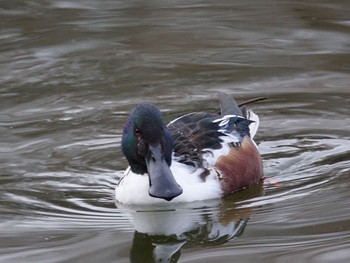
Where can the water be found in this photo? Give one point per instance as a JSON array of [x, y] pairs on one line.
[[70, 72]]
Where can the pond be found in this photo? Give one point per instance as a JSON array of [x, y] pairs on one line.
[[72, 70]]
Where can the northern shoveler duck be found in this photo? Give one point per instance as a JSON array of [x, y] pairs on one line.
[[195, 157]]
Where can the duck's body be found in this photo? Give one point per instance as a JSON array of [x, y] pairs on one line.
[[198, 156]]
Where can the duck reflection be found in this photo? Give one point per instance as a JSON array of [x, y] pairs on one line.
[[161, 233]]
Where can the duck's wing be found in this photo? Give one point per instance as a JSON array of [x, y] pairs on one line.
[[195, 134], [228, 106], [198, 133], [191, 134]]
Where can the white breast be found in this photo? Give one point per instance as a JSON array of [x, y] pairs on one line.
[[132, 189]]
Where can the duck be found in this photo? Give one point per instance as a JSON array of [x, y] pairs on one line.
[[195, 157]]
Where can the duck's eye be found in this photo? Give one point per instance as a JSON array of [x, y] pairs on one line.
[[137, 132]]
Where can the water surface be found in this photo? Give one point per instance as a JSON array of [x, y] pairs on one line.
[[70, 71]]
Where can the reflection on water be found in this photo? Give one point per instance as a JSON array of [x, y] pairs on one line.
[[161, 233], [70, 72], [159, 236]]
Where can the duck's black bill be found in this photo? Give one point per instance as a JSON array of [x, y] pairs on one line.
[[161, 180]]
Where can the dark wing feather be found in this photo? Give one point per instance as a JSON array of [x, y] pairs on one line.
[[191, 134], [228, 106], [195, 132]]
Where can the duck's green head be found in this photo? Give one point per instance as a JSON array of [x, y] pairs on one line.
[[147, 145]]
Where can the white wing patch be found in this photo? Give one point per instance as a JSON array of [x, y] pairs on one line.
[[225, 119], [253, 127]]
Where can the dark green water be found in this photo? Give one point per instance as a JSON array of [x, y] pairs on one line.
[[70, 71]]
